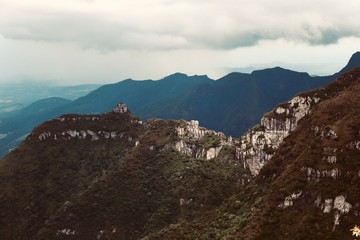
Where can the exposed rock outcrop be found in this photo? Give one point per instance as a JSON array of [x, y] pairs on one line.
[[195, 141], [289, 200], [338, 205], [120, 108], [316, 175], [258, 145]]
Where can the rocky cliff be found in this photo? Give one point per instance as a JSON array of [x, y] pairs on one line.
[[260, 143], [190, 134], [305, 157]]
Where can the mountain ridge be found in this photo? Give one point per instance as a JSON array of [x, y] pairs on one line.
[[232, 104]]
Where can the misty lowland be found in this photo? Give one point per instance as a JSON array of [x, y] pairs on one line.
[[274, 154]]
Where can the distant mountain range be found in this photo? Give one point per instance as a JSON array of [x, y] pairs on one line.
[[231, 104]]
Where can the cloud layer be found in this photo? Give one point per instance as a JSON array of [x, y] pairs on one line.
[[83, 41], [109, 25]]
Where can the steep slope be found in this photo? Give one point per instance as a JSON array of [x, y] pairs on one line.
[[305, 155], [112, 176], [353, 63]]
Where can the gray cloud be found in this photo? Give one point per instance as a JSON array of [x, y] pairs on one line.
[[73, 41], [90, 32], [167, 24]]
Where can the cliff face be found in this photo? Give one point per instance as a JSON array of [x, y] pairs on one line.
[[259, 144], [211, 142], [315, 170]]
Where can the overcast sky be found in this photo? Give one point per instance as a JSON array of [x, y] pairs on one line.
[[103, 41]]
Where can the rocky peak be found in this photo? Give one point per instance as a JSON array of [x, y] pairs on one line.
[[353, 63], [120, 108], [192, 130]]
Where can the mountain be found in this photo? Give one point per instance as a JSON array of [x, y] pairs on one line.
[[112, 176], [137, 94], [353, 63], [305, 159], [295, 175], [231, 104], [237, 101]]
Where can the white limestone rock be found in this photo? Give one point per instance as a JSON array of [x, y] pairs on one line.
[[336, 220], [280, 110], [65, 231], [189, 136], [330, 150], [213, 152], [329, 133], [341, 205], [94, 136], [257, 145], [120, 108], [330, 159], [43, 136], [289, 200], [328, 205], [354, 145], [316, 175], [317, 202], [182, 147]]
